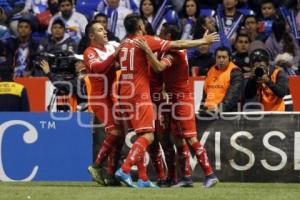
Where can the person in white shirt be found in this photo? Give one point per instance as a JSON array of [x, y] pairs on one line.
[[116, 15], [75, 22]]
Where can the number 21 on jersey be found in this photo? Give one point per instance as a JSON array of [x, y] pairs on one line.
[[126, 59]]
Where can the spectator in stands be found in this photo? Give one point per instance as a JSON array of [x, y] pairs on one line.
[[13, 96], [207, 23], [132, 5], [267, 84], [190, 14], [103, 20], [241, 55], [268, 14], [148, 9], [116, 15], [285, 61], [251, 27], [57, 43], [75, 22], [281, 41], [201, 61], [3, 52], [21, 50], [44, 17], [223, 84], [31, 9], [12, 12], [228, 19], [4, 30]]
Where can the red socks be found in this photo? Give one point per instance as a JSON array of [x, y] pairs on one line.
[[142, 169], [106, 147], [202, 158], [135, 154], [184, 160], [157, 160]]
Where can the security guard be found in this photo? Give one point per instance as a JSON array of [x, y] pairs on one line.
[[13, 96]]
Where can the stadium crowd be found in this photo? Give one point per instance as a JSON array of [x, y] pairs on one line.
[[236, 44]]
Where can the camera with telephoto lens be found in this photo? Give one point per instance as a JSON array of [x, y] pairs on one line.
[[259, 72]]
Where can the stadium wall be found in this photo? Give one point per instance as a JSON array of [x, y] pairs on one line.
[[242, 147]]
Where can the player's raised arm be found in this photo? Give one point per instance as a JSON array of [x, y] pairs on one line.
[[184, 44], [157, 65]]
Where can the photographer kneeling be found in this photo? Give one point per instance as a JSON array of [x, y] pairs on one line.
[[267, 84]]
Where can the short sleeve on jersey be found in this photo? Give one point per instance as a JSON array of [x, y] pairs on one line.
[[157, 44]]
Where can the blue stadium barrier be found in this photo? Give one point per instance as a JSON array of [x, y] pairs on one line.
[[45, 146]]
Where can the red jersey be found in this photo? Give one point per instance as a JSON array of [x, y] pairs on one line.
[[177, 75], [100, 68], [135, 68]]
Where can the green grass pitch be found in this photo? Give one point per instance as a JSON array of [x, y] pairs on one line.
[[90, 190]]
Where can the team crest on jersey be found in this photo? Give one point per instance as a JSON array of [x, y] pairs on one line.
[[91, 55]]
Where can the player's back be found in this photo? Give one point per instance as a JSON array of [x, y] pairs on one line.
[[176, 77], [135, 77]]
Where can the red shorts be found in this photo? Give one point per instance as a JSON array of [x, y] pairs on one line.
[[103, 110], [183, 118], [138, 114]]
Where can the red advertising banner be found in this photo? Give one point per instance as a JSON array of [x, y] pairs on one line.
[[36, 88]]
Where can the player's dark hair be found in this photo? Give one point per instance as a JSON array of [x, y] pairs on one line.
[[89, 27], [131, 23], [173, 30]]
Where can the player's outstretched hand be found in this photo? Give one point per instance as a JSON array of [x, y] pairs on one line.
[[141, 43], [209, 38]]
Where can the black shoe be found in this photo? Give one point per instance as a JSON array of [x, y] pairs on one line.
[[165, 183], [186, 181], [111, 180]]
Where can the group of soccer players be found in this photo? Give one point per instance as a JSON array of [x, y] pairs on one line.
[[150, 67]]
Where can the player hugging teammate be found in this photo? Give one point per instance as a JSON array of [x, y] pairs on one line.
[[144, 75]]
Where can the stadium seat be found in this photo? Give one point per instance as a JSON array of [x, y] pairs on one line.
[[246, 11], [86, 7], [207, 12]]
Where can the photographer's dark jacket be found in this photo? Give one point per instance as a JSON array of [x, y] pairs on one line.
[[223, 88], [271, 93], [51, 46]]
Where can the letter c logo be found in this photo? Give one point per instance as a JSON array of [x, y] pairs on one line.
[[29, 137]]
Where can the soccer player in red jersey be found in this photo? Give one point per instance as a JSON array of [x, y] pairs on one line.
[[135, 99], [175, 62], [99, 59]]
